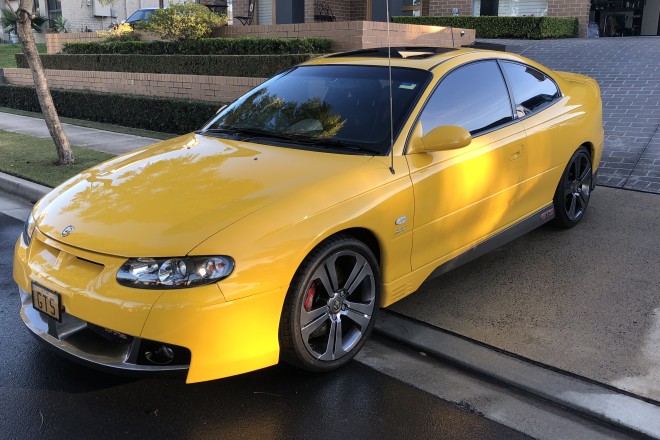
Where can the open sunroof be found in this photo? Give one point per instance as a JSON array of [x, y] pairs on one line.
[[396, 52]]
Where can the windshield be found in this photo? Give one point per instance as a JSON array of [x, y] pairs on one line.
[[335, 106], [139, 15]]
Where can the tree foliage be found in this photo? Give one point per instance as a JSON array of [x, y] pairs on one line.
[[9, 21]]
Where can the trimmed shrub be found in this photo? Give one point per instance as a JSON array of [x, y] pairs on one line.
[[184, 21], [120, 32], [533, 28], [257, 66], [206, 46], [166, 115]]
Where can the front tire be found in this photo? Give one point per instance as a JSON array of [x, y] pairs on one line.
[[574, 189], [330, 309]]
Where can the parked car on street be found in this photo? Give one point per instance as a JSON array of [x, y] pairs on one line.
[[141, 15], [278, 230]]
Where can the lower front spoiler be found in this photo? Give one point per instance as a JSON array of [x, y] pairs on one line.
[[74, 339]]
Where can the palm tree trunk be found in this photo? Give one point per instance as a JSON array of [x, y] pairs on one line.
[[24, 26]]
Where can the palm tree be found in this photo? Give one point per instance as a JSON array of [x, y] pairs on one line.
[[9, 21]]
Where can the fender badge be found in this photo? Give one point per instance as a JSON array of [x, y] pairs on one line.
[[401, 220], [66, 231]]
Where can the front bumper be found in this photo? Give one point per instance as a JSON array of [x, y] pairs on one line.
[[78, 341], [223, 338]]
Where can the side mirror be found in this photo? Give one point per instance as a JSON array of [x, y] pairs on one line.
[[447, 137]]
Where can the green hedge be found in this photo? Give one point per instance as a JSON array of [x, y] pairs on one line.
[[258, 66], [205, 46], [533, 28], [166, 115]]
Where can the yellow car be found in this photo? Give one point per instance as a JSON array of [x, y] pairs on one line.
[[279, 229]]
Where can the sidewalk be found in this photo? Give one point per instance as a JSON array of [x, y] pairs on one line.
[[101, 140]]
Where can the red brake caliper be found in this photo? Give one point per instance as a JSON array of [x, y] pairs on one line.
[[309, 298]]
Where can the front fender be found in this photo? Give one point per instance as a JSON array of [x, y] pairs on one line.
[[269, 245]]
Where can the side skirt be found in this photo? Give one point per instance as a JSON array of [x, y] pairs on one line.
[[519, 229]]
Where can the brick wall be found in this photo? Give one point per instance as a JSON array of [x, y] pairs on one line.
[[358, 10], [571, 8], [54, 42], [350, 35], [444, 7], [309, 11], [206, 88], [345, 35], [341, 9]]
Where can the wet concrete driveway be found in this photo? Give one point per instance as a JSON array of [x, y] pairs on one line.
[[585, 300]]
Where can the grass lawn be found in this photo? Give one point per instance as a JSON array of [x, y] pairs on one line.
[[34, 159], [7, 52]]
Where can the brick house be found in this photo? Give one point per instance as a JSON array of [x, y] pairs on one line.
[[635, 12], [86, 15]]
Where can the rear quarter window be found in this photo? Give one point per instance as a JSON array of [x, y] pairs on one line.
[[532, 89]]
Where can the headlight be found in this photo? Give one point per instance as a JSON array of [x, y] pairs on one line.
[[174, 273], [28, 230]]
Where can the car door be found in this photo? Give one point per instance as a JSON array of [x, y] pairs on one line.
[[466, 194], [534, 96]]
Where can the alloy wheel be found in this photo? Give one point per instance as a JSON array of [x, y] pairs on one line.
[[337, 305], [577, 186]]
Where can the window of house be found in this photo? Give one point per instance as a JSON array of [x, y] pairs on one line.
[[411, 8], [54, 10], [532, 90], [510, 8], [473, 97], [522, 8]]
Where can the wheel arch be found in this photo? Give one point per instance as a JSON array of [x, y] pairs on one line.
[[592, 156], [592, 150], [366, 236]]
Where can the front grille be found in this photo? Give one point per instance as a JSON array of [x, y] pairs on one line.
[[110, 335]]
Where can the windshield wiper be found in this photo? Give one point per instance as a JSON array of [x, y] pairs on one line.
[[335, 143], [253, 133]]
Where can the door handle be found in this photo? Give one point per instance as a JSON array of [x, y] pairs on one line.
[[517, 153]]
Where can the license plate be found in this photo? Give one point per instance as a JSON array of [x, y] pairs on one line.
[[46, 301]]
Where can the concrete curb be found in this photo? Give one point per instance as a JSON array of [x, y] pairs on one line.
[[588, 398], [22, 188]]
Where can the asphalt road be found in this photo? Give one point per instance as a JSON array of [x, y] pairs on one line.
[[44, 396]]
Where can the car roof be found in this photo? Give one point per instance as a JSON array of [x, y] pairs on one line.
[[419, 57]]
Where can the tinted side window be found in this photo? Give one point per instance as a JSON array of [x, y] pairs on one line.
[[532, 90], [473, 97]]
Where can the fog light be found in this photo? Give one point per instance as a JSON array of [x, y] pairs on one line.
[[162, 356]]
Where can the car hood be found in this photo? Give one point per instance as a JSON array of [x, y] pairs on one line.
[[165, 199]]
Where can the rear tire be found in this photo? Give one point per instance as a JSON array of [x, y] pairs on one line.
[[331, 305], [574, 190]]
